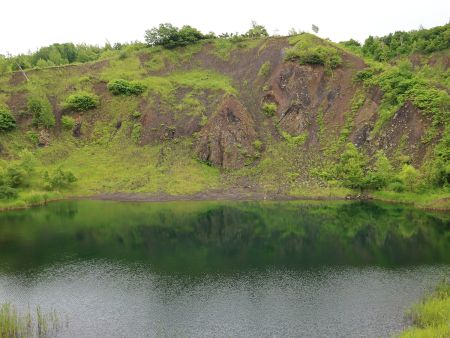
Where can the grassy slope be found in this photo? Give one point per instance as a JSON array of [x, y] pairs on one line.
[[106, 160]]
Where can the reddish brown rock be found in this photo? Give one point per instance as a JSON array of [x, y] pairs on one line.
[[227, 138]]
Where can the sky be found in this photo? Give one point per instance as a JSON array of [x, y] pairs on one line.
[[26, 25]]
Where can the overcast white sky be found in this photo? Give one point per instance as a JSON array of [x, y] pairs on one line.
[[26, 25]]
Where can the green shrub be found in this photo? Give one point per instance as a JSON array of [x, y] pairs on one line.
[[269, 109], [7, 121], [311, 50], [15, 176], [409, 177], [7, 192], [42, 112], [124, 87], [59, 179], [351, 168], [67, 122], [81, 101], [382, 173], [256, 31], [123, 55], [438, 170], [169, 36]]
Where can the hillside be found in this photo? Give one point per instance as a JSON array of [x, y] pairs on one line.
[[273, 116]]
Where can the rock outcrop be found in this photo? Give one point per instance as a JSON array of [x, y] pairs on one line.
[[227, 138]]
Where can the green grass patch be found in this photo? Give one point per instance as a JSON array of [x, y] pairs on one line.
[[202, 79], [431, 317], [432, 199]]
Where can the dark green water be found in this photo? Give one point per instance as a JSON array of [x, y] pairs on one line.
[[223, 268]]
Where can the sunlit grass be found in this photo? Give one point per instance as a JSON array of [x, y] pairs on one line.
[[431, 317]]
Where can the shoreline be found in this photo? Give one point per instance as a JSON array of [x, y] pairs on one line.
[[219, 196]]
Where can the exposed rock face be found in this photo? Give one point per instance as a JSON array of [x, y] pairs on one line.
[[227, 138], [405, 130], [304, 91]]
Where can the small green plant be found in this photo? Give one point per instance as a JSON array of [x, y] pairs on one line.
[[203, 120], [7, 121], [81, 101], [269, 109], [294, 141], [257, 144], [33, 137], [124, 87], [265, 69], [136, 115], [67, 122], [42, 112]]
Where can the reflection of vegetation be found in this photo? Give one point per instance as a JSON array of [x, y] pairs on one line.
[[38, 324], [431, 318], [199, 236]]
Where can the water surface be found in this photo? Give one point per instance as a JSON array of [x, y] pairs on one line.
[[205, 269]]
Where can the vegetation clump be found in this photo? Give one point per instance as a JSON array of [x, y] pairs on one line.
[[60, 179], [169, 36], [81, 101], [256, 31], [42, 112], [67, 122], [308, 49], [127, 88], [16, 175], [269, 109], [404, 43], [265, 69], [400, 84], [7, 121]]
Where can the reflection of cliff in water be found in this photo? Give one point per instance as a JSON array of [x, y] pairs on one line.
[[221, 236]]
